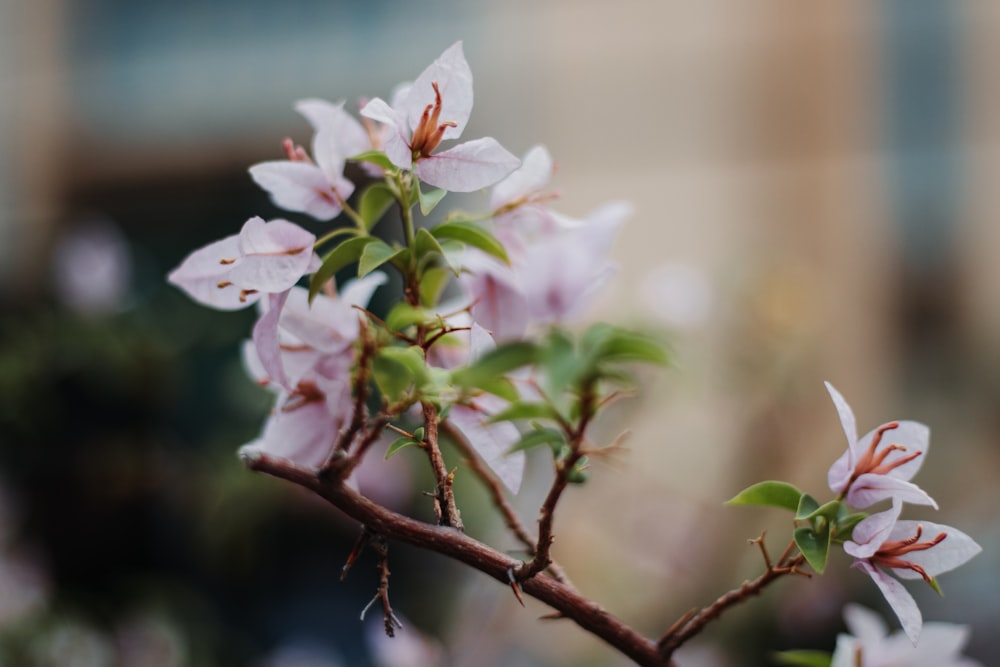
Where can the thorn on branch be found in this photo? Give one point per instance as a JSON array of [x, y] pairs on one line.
[[514, 585], [359, 546]]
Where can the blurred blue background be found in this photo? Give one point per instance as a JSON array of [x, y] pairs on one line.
[[815, 187]]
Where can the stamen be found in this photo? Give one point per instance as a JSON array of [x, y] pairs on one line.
[[223, 283], [245, 293], [225, 261]]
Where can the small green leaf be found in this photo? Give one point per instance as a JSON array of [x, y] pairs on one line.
[[374, 157], [432, 283], [374, 202], [411, 358], [375, 254], [523, 410], [829, 511], [775, 494], [846, 523], [814, 546], [404, 315], [471, 234], [498, 361], [343, 254], [807, 505], [579, 474], [614, 344], [425, 244], [398, 371], [399, 444], [537, 437], [803, 658], [430, 199], [563, 366]]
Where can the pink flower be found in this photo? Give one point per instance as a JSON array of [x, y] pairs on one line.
[[232, 273], [911, 550], [553, 280], [435, 108], [870, 645], [316, 185], [880, 464], [293, 335]]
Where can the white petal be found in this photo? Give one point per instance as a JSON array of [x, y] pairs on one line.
[[956, 549], [299, 186], [267, 343], [864, 624], [348, 135], [396, 138], [491, 442], [871, 488], [454, 79], [467, 167], [201, 273], [871, 532], [898, 598], [535, 170], [274, 255]]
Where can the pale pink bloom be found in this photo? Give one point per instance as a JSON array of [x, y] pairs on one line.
[[232, 273], [870, 645], [315, 186], [880, 464], [910, 550], [553, 280], [520, 203], [435, 108], [293, 335]]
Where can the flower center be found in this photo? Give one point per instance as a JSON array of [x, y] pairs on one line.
[[874, 460], [430, 129], [890, 553]]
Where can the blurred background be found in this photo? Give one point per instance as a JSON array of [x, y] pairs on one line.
[[815, 185]]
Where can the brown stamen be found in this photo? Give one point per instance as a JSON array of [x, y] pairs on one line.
[[889, 554], [430, 129]]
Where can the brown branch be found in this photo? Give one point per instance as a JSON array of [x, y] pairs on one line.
[[510, 517], [459, 546], [564, 468], [693, 622], [445, 508], [360, 412]]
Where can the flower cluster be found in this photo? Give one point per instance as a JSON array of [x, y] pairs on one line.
[[518, 268], [879, 467]]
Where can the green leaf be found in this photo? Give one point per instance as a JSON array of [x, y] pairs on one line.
[[614, 344], [374, 157], [523, 410], [471, 234], [428, 200], [399, 370], [399, 444], [374, 202], [579, 473], [775, 494], [500, 386], [432, 283], [814, 546], [803, 658], [425, 244], [563, 367], [375, 254], [807, 505], [345, 253], [404, 315], [846, 523], [537, 437], [498, 361], [829, 510]]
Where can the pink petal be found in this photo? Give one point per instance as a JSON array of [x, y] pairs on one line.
[[265, 339], [303, 434], [535, 170], [491, 441], [840, 471], [396, 138], [914, 436], [498, 304], [872, 532], [898, 597], [453, 76], [303, 187], [864, 624], [275, 255], [871, 488], [201, 273], [467, 167], [348, 137], [955, 550]]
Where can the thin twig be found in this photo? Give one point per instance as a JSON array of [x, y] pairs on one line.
[[459, 546], [510, 517], [445, 509], [695, 621]]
